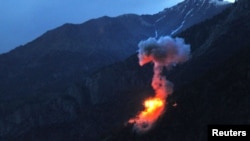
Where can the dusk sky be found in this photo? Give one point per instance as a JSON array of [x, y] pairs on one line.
[[23, 21]]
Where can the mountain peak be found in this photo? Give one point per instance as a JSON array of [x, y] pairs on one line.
[[215, 2], [197, 10], [73, 54]]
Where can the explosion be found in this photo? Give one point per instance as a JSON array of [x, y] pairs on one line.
[[164, 52], [154, 107]]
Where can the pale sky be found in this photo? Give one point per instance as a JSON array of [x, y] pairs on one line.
[[22, 21]]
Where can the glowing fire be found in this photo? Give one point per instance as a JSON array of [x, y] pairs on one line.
[[163, 52], [154, 107]]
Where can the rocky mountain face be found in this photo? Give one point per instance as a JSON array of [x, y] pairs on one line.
[[187, 14], [212, 88], [57, 88], [70, 52]]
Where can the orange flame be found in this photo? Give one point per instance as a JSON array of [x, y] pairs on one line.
[[154, 107], [164, 52]]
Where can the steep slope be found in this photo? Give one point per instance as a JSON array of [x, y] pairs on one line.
[[220, 96], [216, 81], [185, 15], [41, 90], [70, 52], [212, 88], [217, 93]]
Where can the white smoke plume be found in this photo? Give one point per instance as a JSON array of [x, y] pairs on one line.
[[164, 52]]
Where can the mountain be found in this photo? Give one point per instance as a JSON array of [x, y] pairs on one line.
[[211, 88], [69, 53], [59, 87], [186, 14]]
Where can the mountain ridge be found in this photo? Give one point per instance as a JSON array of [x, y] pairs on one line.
[[219, 95], [78, 49], [55, 81]]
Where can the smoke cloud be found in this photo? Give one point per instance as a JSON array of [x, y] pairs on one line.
[[164, 52]]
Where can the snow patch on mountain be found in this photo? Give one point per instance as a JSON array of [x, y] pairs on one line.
[[182, 23], [161, 18], [224, 2]]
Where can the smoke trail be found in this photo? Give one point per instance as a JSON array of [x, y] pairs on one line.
[[164, 52]]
